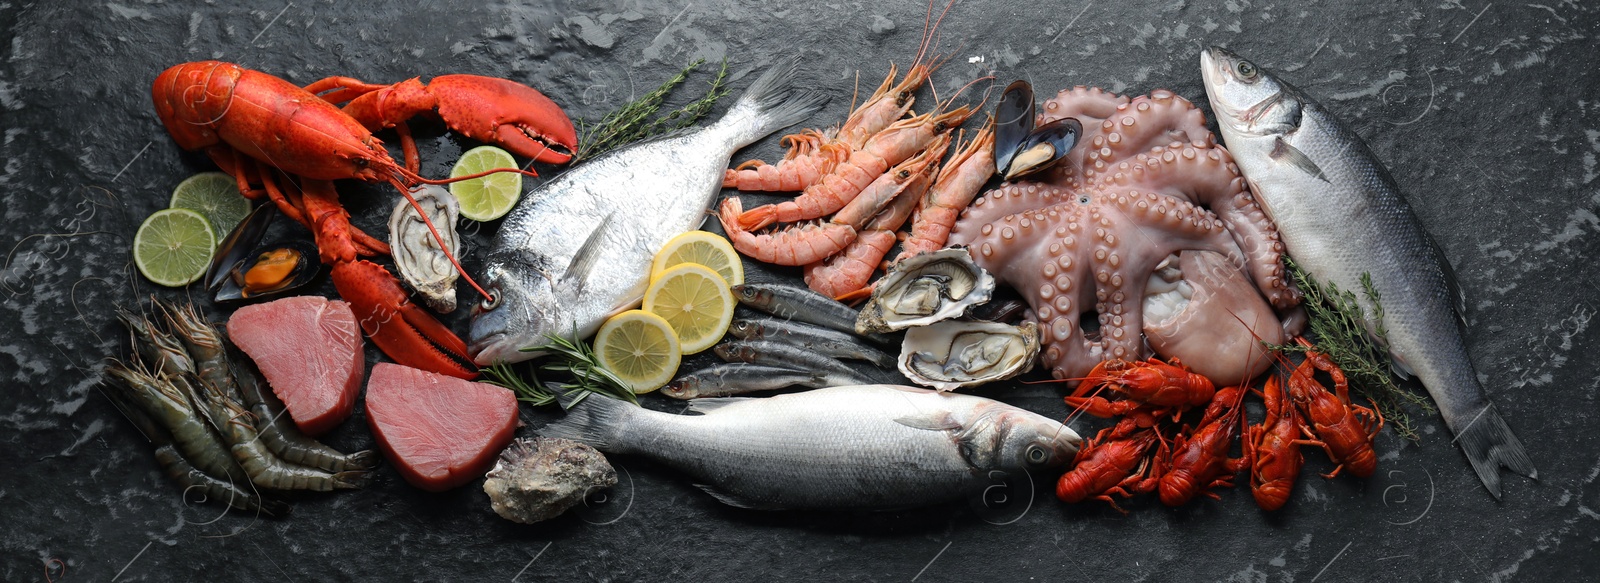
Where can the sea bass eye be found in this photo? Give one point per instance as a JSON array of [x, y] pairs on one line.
[[1037, 455], [1245, 70]]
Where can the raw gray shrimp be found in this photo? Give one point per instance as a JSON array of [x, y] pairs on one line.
[[173, 411], [191, 478], [264, 469], [155, 346]]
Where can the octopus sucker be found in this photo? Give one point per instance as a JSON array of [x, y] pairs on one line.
[[1149, 190]]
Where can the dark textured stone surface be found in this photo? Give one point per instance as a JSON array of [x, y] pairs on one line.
[[1488, 115]]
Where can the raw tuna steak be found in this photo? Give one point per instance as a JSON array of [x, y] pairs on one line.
[[309, 348], [440, 432]]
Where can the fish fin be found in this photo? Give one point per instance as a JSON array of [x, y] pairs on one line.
[[1282, 151], [770, 104], [706, 405], [931, 421], [1490, 445], [1400, 368], [736, 501], [592, 420], [588, 254]]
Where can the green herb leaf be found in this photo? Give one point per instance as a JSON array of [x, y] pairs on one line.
[[527, 391], [1339, 324], [631, 122], [578, 361]]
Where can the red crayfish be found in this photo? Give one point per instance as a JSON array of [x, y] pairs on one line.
[[255, 125]]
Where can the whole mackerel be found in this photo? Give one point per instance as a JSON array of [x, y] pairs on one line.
[[577, 249], [1341, 215], [857, 447]]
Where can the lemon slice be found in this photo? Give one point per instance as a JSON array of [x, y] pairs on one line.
[[640, 348], [489, 197], [174, 246], [696, 301], [214, 195], [704, 248]]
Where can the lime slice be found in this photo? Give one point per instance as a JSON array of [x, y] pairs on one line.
[[640, 348], [700, 247], [214, 195], [489, 197], [697, 303], [174, 247]]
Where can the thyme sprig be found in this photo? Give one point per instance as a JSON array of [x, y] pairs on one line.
[[631, 122], [1339, 324]]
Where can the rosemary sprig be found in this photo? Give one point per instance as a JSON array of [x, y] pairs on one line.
[[566, 359], [631, 122], [1339, 324], [528, 390]]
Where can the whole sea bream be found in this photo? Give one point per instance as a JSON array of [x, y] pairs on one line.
[[856, 447], [577, 250], [1341, 215]]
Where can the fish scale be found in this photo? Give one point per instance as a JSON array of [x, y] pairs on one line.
[[578, 249], [1340, 215]]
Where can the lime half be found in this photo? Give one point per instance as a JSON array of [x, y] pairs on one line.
[[214, 195], [490, 197], [174, 247]]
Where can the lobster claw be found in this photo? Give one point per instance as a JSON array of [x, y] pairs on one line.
[[403, 330], [504, 112]]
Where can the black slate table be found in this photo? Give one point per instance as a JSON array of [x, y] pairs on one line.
[[1487, 113]]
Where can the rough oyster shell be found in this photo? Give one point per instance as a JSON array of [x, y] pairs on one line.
[[421, 263], [951, 355], [923, 289], [538, 479]]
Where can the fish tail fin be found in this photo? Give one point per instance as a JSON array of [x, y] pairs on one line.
[[770, 104], [591, 419], [1490, 445]]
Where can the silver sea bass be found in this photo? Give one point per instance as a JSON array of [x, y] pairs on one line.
[[1340, 215], [577, 250], [856, 447]]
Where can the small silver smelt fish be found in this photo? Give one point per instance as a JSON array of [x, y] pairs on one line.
[[858, 447], [783, 355], [1341, 215], [577, 250], [740, 378], [803, 305], [821, 340]]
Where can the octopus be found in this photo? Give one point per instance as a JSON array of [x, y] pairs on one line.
[[1143, 240]]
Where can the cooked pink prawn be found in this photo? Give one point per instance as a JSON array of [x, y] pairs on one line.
[[832, 192], [813, 242], [960, 181], [846, 274]]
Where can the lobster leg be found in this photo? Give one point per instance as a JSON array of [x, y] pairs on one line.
[[498, 111], [402, 329]]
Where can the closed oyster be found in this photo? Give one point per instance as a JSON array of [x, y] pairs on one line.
[[422, 264], [538, 479], [923, 289], [951, 355]]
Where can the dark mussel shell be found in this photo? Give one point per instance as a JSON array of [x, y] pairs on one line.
[[239, 243], [1044, 147], [1013, 121], [270, 270]]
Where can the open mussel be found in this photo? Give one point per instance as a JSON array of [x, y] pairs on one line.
[[271, 269], [239, 243], [1044, 147], [1019, 147], [955, 354], [417, 255], [1013, 121], [923, 289]]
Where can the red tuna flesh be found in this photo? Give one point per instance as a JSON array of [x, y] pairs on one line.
[[309, 348], [439, 432]]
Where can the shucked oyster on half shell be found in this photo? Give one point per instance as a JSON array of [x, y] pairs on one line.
[[422, 264], [951, 355], [923, 289]]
